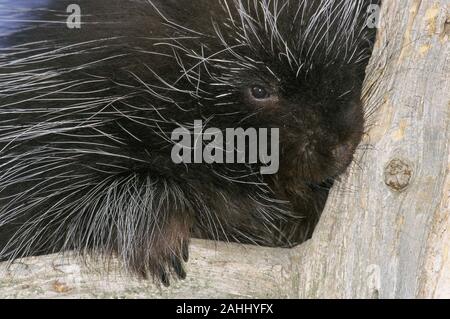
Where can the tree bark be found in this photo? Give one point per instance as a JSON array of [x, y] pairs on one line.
[[385, 232]]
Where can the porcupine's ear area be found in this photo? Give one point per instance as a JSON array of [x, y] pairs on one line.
[[298, 32]]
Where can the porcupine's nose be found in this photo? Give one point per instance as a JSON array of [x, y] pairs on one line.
[[343, 153]]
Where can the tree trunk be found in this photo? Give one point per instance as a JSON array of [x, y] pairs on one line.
[[385, 232]]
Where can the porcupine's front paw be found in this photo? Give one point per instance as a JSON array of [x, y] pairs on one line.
[[165, 254], [168, 261]]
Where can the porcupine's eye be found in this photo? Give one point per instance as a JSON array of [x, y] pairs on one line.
[[259, 92]]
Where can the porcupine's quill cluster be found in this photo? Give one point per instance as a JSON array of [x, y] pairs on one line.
[[86, 118]]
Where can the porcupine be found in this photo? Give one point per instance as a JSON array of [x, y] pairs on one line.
[[86, 116]]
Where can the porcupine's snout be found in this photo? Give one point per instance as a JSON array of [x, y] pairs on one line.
[[320, 138]]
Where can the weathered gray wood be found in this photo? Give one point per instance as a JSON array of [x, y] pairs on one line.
[[386, 230], [216, 270]]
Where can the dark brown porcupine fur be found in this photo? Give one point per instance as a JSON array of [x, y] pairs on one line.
[[86, 116]]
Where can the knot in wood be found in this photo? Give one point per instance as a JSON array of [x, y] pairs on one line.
[[398, 174]]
